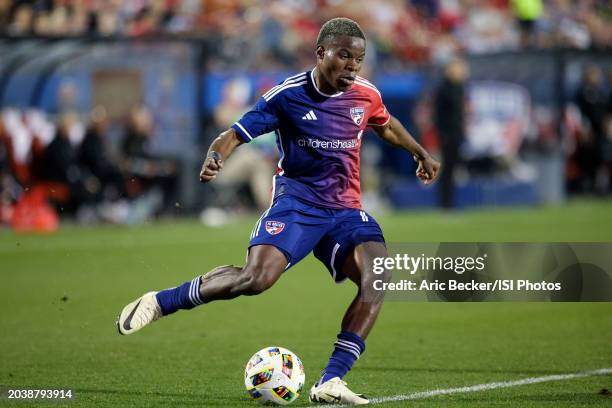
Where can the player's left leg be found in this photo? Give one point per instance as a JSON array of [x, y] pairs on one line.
[[356, 325], [363, 311], [352, 249]]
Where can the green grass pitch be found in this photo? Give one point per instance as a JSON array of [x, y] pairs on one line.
[[60, 294]]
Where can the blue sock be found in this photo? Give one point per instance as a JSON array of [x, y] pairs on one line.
[[347, 350], [186, 296]]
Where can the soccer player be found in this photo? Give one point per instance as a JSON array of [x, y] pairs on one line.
[[319, 118]]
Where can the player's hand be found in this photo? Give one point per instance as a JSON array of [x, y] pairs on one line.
[[428, 169], [211, 167]]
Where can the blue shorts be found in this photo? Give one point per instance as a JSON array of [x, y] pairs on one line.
[[296, 228]]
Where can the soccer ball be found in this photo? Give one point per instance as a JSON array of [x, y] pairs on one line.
[[274, 375]]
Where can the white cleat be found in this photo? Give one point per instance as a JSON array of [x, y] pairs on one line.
[[138, 314], [335, 391]]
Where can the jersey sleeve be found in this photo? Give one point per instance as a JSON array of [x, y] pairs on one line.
[[262, 119], [379, 116]]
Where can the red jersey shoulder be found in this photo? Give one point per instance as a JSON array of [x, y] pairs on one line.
[[377, 114], [365, 86]]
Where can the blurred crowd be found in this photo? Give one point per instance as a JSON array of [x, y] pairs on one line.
[[585, 137], [97, 168], [399, 30], [69, 166], [100, 170], [588, 124]]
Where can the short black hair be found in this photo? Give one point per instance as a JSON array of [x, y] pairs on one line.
[[339, 26]]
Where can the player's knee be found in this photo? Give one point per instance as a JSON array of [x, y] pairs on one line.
[[369, 276], [254, 286], [257, 280], [385, 276], [257, 284], [370, 283]]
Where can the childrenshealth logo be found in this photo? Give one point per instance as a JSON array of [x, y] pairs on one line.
[[328, 144]]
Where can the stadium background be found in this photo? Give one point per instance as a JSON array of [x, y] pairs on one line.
[[178, 71], [192, 67]]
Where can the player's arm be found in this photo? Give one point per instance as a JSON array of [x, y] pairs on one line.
[[261, 119], [220, 149], [395, 133]]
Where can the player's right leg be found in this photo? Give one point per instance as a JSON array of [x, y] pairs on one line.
[[283, 235], [265, 264]]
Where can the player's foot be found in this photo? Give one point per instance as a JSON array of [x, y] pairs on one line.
[[138, 314], [335, 391]]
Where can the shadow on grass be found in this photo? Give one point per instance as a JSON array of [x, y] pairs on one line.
[[160, 398], [189, 399]]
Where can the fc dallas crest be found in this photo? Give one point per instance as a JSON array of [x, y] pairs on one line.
[[357, 114], [274, 227]]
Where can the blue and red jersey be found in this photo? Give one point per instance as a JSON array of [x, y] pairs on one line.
[[318, 137]]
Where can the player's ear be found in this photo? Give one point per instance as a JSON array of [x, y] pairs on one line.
[[320, 52]]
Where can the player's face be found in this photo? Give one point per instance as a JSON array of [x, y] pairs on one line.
[[340, 61]]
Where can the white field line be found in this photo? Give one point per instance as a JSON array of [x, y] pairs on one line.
[[491, 386]]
